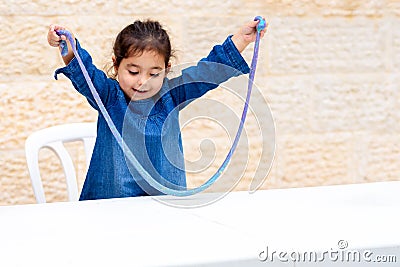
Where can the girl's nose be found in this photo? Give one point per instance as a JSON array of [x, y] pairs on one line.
[[142, 79]]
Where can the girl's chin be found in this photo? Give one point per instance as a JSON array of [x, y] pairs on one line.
[[140, 96]]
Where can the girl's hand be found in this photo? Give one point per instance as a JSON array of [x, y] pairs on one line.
[[52, 37], [54, 40], [247, 34]]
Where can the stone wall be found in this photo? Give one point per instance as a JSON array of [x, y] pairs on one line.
[[329, 71]]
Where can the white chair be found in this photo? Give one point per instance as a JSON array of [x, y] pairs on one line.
[[54, 138]]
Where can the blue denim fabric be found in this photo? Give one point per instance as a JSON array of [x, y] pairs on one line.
[[150, 127]]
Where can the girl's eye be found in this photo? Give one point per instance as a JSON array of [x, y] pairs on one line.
[[133, 72], [155, 75]]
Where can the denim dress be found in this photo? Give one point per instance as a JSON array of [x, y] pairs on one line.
[[149, 127]]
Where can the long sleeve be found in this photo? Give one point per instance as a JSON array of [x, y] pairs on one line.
[[223, 62], [105, 86]]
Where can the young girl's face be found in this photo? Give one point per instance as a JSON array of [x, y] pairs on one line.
[[141, 77]]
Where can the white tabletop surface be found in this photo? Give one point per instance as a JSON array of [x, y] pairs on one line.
[[232, 231]]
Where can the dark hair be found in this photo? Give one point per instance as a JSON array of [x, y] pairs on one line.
[[138, 37]]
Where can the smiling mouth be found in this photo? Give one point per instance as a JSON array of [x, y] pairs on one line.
[[139, 91]]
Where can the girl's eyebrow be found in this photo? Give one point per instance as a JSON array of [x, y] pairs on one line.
[[137, 66]]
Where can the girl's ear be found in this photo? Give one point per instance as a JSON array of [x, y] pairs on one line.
[[115, 64], [168, 68]]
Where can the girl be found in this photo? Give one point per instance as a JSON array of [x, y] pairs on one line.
[[144, 104]]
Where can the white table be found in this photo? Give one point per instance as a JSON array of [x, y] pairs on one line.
[[233, 231]]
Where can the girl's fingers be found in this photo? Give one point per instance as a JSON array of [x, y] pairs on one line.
[[53, 37], [254, 23]]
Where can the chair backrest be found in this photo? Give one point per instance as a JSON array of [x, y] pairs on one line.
[[54, 138]]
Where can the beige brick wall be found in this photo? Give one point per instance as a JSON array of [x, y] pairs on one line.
[[328, 69]]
